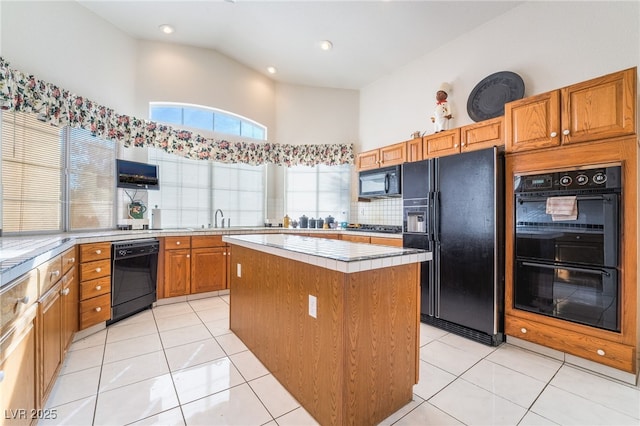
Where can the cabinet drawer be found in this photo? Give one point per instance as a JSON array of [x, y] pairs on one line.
[[95, 251], [207, 241], [95, 310], [595, 349], [69, 259], [16, 298], [355, 238], [93, 288], [93, 270], [177, 242], [50, 273], [384, 241]]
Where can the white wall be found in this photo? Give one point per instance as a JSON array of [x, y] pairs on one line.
[[549, 44], [176, 73], [66, 45]]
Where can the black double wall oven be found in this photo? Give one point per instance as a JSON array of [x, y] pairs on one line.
[[568, 245]]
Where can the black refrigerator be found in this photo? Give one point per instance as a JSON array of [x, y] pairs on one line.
[[453, 206]]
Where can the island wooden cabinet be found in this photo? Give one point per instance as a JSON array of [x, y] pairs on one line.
[[95, 284], [387, 156], [441, 143], [596, 109], [484, 134]]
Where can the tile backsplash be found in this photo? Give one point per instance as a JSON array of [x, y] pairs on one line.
[[379, 211]]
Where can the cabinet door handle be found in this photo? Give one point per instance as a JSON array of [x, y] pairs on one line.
[[463, 143], [98, 269], [55, 274], [24, 300], [177, 243], [188, 256], [566, 132], [98, 287], [601, 352], [65, 292], [98, 309], [554, 134], [455, 145], [98, 251], [523, 330], [72, 260]]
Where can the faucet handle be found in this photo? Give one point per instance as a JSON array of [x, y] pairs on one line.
[[222, 222]]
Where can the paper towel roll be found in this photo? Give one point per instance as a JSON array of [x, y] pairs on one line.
[[156, 219]]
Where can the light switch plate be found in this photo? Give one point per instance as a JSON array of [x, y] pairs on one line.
[[313, 306], [239, 270]]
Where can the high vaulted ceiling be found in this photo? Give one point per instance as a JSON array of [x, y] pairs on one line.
[[370, 38]]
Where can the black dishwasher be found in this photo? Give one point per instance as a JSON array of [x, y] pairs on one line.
[[134, 274]]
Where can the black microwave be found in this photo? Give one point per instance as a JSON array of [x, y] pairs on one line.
[[382, 182]]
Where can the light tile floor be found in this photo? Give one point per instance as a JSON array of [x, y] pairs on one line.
[[180, 364]]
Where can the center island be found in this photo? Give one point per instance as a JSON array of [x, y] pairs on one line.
[[336, 322]]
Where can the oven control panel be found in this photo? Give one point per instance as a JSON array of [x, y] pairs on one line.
[[570, 180]]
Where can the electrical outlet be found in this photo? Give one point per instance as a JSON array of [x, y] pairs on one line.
[[239, 270], [313, 306]]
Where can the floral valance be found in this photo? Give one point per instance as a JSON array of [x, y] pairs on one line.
[[59, 107]]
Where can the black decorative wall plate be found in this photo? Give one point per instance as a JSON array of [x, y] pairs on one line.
[[487, 99]]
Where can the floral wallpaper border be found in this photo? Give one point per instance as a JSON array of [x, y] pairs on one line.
[[59, 107]]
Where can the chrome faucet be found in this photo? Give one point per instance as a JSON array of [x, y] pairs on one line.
[[215, 218]]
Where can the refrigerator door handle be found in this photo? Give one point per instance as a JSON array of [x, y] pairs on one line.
[[436, 216]]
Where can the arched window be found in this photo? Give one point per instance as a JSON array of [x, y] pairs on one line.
[[192, 190], [206, 118]]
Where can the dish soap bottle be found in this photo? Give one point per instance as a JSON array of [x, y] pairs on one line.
[[285, 221]]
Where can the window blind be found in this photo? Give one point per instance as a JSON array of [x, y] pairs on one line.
[[32, 164], [318, 191], [191, 191], [92, 187]]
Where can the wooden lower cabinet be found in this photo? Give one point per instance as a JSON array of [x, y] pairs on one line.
[[386, 241], [50, 339], [95, 284], [18, 395], [70, 307], [177, 272], [208, 269], [596, 349], [355, 238], [198, 266]]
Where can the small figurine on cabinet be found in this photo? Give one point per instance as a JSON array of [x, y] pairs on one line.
[[442, 113]]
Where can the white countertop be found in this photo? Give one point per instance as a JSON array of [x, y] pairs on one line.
[[18, 255], [338, 255]]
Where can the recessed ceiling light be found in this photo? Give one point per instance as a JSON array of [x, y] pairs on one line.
[[272, 70], [166, 28], [326, 45]]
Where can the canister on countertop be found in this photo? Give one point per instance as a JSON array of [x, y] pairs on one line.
[[319, 223], [304, 221], [312, 223]]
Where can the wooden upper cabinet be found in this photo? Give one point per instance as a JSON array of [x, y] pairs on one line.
[[484, 134], [414, 149], [369, 160], [533, 122], [387, 156], [601, 108], [441, 143], [393, 154]]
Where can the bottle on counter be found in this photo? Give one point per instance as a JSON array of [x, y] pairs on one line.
[[285, 221]]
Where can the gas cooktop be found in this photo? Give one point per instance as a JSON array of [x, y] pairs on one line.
[[388, 229]]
